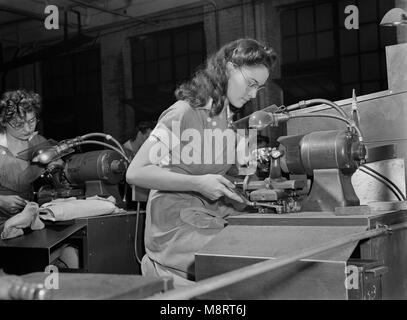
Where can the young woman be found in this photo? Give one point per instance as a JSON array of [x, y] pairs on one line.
[[186, 205], [19, 114]]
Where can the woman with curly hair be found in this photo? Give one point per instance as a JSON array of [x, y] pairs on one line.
[[186, 206], [19, 114]]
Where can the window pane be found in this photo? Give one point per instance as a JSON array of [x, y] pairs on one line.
[[350, 69], [305, 20], [370, 87], [325, 44], [368, 37], [138, 74], [180, 43], [81, 84], [80, 66], [195, 40], [151, 49], [288, 23], [307, 47], [289, 50], [181, 67], [324, 19], [368, 10], [68, 67], [195, 61], [138, 51], [349, 41], [164, 46], [94, 61], [151, 72], [93, 86], [68, 86], [370, 66], [165, 70]]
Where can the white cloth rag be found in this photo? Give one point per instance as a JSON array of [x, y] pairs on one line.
[[71, 208]]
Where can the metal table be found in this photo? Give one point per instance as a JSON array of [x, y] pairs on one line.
[[105, 245], [251, 238]]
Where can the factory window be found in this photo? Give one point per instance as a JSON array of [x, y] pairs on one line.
[[160, 61], [321, 58], [72, 94]]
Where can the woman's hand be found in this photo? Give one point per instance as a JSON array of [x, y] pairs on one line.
[[12, 204], [55, 165], [214, 186]]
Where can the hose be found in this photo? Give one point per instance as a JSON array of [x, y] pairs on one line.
[[308, 103], [105, 145], [105, 136], [386, 179], [323, 115], [382, 181]]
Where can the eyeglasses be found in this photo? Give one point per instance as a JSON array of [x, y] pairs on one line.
[[251, 84], [20, 124]]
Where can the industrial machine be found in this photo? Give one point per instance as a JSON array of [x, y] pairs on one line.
[[310, 235], [105, 243], [80, 174], [330, 157]]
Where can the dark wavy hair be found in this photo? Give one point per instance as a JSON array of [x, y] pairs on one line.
[[211, 80], [15, 104]]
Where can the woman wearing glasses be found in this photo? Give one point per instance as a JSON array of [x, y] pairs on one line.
[[186, 206], [19, 112]]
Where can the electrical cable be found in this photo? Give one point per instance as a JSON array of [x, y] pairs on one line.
[[322, 115], [385, 178], [330, 103], [105, 145], [105, 136], [308, 103], [382, 181]]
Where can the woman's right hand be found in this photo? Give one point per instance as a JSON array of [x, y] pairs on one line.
[[12, 204], [214, 186]]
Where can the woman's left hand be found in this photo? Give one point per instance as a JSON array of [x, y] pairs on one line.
[[57, 164]]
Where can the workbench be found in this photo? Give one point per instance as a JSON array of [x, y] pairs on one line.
[[105, 245], [250, 238]]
